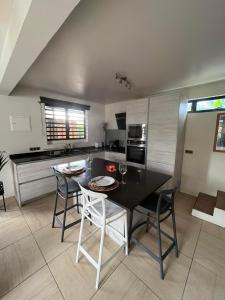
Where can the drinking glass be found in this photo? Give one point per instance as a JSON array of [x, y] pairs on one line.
[[123, 171], [90, 160]]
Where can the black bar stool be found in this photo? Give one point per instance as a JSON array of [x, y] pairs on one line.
[[2, 194], [66, 188], [159, 206]]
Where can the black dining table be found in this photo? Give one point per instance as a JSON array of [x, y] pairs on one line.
[[139, 183]]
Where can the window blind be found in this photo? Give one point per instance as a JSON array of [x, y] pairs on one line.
[[64, 123]]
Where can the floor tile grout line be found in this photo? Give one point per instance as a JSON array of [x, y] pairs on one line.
[[69, 213], [49, 261], [21, 237], [72, 245], [47, 265], [127, 267], [10, 290], [45, 260], [192, 259], [203, 266], [15, 242], [122, 261], [106, 279]]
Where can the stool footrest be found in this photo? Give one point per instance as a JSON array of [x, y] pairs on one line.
[[68, 225], [68, 208]]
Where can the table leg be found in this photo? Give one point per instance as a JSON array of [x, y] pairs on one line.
[[130, 228]]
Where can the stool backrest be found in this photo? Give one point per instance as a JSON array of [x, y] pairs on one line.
[[168, 197], [1, 188], [62, 185], [92, 200]]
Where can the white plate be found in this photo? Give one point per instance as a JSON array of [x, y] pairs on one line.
[[73, 169], [103, 180]]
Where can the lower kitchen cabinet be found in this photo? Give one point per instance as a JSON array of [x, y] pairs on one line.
[[37, 188], [35, 179]]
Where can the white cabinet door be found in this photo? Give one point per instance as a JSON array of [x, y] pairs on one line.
[[36, 170], [137, 111], [162, 132], [37, 188]]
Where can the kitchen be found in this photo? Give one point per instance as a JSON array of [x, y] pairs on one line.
[[32, 174], [112, 141]]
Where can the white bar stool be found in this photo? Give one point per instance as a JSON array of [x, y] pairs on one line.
[[101, 213]]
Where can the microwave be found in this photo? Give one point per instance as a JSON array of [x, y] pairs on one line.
[[137, 132]]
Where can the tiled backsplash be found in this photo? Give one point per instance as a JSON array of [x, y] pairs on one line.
[[116, 134]]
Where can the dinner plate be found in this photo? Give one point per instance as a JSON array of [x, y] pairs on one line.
[[103, 181], [73, 169]]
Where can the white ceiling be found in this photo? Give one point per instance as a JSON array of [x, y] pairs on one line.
[[158, 44], [5, 12]]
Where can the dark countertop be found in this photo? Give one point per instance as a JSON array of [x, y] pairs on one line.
[[140, 183], [29, 157], [118, 150]]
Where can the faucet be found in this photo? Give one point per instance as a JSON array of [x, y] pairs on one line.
[[68, 148]]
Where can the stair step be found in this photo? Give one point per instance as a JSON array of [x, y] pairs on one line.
[[220, 202], [205, 203]]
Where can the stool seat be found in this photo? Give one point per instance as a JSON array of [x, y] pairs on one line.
[[111, 209], [71, 185], [151, 203]]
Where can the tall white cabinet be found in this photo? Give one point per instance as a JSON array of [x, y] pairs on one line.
[[166, 127], [137, 111]]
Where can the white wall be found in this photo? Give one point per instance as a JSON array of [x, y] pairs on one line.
[[204, 170], [25, 103], [206, 90]]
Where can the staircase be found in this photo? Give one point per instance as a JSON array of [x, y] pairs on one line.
[[211, 209]]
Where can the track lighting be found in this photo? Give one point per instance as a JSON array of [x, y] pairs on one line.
[[122, 80]]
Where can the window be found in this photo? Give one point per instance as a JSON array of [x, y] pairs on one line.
[[64, 120], [208, 104], [189, 106]]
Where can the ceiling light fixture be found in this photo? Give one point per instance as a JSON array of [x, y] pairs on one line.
[[122, 80]]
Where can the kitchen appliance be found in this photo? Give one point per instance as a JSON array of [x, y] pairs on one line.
[[137, 132], [136, 153], [121, 120], [136, 145]]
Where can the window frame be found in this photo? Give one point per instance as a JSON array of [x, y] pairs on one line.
[[195, 101], [67, 127]]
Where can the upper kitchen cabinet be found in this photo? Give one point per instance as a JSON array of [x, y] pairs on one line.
[[110, 113], [137, 111], [167, 115]]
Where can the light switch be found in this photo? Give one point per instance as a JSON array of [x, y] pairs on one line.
[[189, 151]]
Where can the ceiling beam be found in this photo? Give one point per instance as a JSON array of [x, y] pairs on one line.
[[32, 25]]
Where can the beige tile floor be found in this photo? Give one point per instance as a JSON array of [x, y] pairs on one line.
[[34, 264]]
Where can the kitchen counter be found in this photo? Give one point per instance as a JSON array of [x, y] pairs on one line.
[[29, 157], [117, 150]]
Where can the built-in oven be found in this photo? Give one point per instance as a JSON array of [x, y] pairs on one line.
[[136, 152], [137, 132]]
